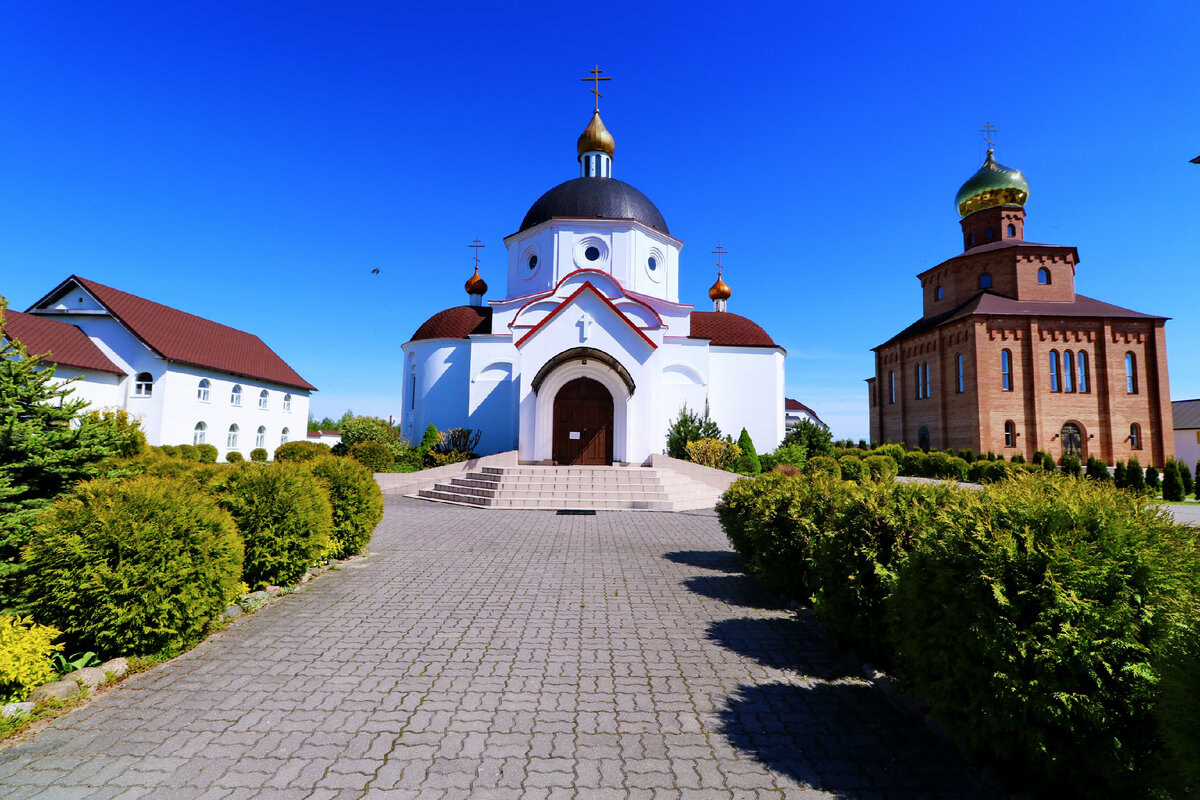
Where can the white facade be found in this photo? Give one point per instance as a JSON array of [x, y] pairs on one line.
[[1187, 447], [598, 299]]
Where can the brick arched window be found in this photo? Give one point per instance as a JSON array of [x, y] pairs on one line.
[[1135, 436], [1044, 276], [985, 280], [1054, 384], [1131, 383], [1006, 370], [962, 378], [891, 387], [1081, 376], [1068, 371], [1010, 434]]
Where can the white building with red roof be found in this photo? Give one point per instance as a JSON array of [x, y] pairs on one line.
[[190, 380], [590, 354]]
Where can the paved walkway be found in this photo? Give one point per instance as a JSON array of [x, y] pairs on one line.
[[501, 655]]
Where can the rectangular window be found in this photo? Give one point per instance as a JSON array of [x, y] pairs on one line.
[[1006, 370], [918, 384], [961, 378], [891, 387], [925, 378]]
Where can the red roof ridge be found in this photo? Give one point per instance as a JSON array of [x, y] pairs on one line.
[[725, 329]]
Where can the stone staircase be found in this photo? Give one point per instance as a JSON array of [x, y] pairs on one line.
[[586, 488]]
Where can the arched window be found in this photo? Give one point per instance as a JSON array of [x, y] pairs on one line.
[[199, 432], [1131, 386], [891, 387], [1006, 370], [985, 280], [1043, 276], [1135, 436], [263, 397], [923, 438], [202, 390], [1010, 434], [962, 382], [1081, 377], [287, 402], [971, 239], [939, 294], [1068, 370], [143, 385], [231, 439], [260, 438], [235, 396], [283, 436], [1012, 229], [1054, 387]]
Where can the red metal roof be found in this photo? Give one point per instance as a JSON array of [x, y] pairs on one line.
[[795, 405], [178, 336], [65, 344], [729, 330], [455, 323]]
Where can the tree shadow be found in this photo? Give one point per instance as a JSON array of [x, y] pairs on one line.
[[844, 738], [736, 590], [717, 560], [782, 643]]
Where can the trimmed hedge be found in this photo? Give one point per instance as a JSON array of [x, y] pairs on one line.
[[206, 453], [284, 517], [356, 500], [258, 454], [301, 451], [138, 565], [373, 455], [234, 457]]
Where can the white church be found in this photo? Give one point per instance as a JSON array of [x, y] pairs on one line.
[[590, 354]]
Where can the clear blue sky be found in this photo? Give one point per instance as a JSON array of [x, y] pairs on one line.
[[253, 162]]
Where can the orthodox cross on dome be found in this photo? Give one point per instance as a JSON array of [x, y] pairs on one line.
[[989, 130], [476, 287], [720, 251], [475, 245], [595, 79], [720, 292]]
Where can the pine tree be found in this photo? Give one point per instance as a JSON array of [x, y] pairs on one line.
[[748, 462], [1134, 477], [1172, 484], [1185, 475]]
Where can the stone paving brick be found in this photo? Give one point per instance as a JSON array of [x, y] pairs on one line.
[[502, 655]]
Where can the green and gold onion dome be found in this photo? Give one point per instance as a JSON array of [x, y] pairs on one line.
[[993, 185], [596, 138]]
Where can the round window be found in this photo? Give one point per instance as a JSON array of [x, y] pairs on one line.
[[532, 263], [592, 253], [652, 263]]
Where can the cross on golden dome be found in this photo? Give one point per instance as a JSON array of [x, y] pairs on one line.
[[988, 131], [595, 79], [476, 245]]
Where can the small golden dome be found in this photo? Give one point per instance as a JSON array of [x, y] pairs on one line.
[[595, 138], [993, 185], [720, 290], [476, 284]]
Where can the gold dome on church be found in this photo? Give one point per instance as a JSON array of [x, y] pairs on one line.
[[993, 185], [595, 138], [720, 290], [476, 284]]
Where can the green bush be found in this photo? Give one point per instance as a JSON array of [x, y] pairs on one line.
[[1071, 466], [1185, 474], [852, 468], [436, 459], [284, 516], [995, 471], [1120, 476], [369, 429], [170, 450], [893, 451], [429, 439], [823, 465], [1172, 485], [1048, 464], [1097, 470], [1018, 458], [915, 463], [1198, 480], [714, 453], [301, 451], [206, 453], [773, 521], [25, 651], [1152, 479], [1177, 714], [116, 428], [188, 452], [133, 566], [689, 427], [373, 455], [356, 500], [234, 457], [1060, 592], [792, 453], [946, 467], [258, 454], [1134, 477], [748, 462], [881, 467], [817, 441], [199, 474]]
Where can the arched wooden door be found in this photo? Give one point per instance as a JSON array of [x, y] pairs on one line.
[[583, 423]]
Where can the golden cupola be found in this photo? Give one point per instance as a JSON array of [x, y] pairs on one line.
[[991, 186], [476, 287], [595, 148], [719, 293]]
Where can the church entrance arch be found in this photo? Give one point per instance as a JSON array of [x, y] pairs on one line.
[[583, 423], [1072, 440]]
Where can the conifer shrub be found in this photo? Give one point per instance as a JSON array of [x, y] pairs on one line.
[[169, 450], [881, 467], [301, 451], [188, 452], [689, 427], [715, 453], [132, 566], [206, 453], [968, 455], [1185, 475], [1177, 713], [946, 467], [356, 500], [1120, 476], [117, 428], [1097, 470], [817, 441], [429, 439], [373, 455], [285, 518], [915, 463], [1048, 464], [258, 454], [1135, 478], [1172, 484], [792, 453], [823, 465], [748, 462], [1071, 466], [853, 469], [1027, 617], [893, 451], [1152, 478], [436, 458], [234, 457], [996, 471], [368, 429], [1018, 458], [25, 651], [340, 449]]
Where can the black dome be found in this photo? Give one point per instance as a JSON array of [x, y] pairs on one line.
[[595, 198]]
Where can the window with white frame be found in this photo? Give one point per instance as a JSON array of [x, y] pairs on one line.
[[263, 397], [231, 439], [235, 396], [143, 385], [202, 390], [283, 436], [287, 402], [199, 432], [260, 438]]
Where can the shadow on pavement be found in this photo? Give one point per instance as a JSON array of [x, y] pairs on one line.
[[781, 643], [736, 590], [718, 560], [845, 739]]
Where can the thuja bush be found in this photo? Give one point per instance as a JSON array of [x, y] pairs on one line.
[[853, 469], [1120, 475], [893, 451], [301, 451], [1185, 475], [915, 463], [941, 465], [1071, 466], [881, 467], [188, 451], [1177, 713], [234, 457], [1152, 478], [748, 462], [1027, 618], [206, 453], [356, 501], [1172, 484], [1097, 470], [823, 465], [284, 516], [689, 427], [715, 453], [133, 566], [375, 456], [1135, 478], [793, 453], [258, 454], [25, 650]]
